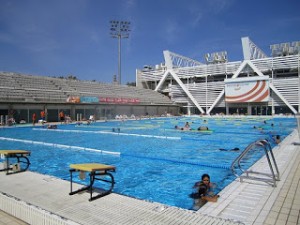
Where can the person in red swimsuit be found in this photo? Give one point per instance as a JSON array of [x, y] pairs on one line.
[[62, 116], [33, 119], [43, 115]]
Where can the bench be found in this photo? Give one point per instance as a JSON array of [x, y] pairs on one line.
[[22, 161], [96, 171]]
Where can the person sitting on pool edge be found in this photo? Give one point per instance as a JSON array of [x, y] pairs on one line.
[[204, 192]]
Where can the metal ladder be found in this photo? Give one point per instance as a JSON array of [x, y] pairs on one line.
[[255, 175]]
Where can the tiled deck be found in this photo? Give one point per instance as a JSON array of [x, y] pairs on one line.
[[250, 202], [255, 202], [6, 219], [286, 208]]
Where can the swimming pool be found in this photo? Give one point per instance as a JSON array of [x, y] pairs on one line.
[[154, 161]]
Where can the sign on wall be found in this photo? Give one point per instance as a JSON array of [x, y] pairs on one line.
[[92, 99], [247, 89]]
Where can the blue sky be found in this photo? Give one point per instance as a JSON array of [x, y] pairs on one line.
[[72, 37]]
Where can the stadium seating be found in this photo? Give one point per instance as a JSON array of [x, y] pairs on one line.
[[19, 87]]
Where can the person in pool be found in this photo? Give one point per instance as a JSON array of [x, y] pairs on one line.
[[204, 192], [182, 128], [177, 127], [277, 139], [52, 126], [187, 126], [233, 149], [202, 128]]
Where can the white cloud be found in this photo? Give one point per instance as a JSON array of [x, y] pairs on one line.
[[219, 6], [129, 4], [171, 30], [203, 11]]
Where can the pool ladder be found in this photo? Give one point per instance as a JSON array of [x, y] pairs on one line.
[[255, 175]]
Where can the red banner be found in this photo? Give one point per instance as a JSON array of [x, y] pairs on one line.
[[119, 100], [101, 99]]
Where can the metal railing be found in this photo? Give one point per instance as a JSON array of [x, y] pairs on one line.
[[271, 177]]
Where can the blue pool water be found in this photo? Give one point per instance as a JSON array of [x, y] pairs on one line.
[[154, 161]]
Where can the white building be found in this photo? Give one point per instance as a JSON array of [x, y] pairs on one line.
[[257, 85]]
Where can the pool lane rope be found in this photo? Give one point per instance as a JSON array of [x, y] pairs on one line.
[[60, 146], [221, 166], [136, 127], [109, 132]]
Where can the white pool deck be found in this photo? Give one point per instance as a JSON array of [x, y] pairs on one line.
[[41, 199]]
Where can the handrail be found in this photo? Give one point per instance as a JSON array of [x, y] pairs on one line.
[[266, 177]]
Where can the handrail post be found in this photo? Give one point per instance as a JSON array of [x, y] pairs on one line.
[[271, 160]]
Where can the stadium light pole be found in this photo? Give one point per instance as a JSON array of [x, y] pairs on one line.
[[119, 29]]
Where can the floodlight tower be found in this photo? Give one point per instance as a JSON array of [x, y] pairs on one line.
[[119, 29]]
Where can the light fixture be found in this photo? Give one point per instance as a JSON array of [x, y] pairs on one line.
[[119, 30]]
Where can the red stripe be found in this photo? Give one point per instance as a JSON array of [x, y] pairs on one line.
[[251, 96], [247, 93], [262, 97]]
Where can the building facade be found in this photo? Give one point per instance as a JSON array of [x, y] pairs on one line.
[[205, 87]]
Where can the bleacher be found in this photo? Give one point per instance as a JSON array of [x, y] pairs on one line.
[[19, 87]]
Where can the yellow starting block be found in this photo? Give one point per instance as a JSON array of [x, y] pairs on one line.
[[20, 155], [96, 172]]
